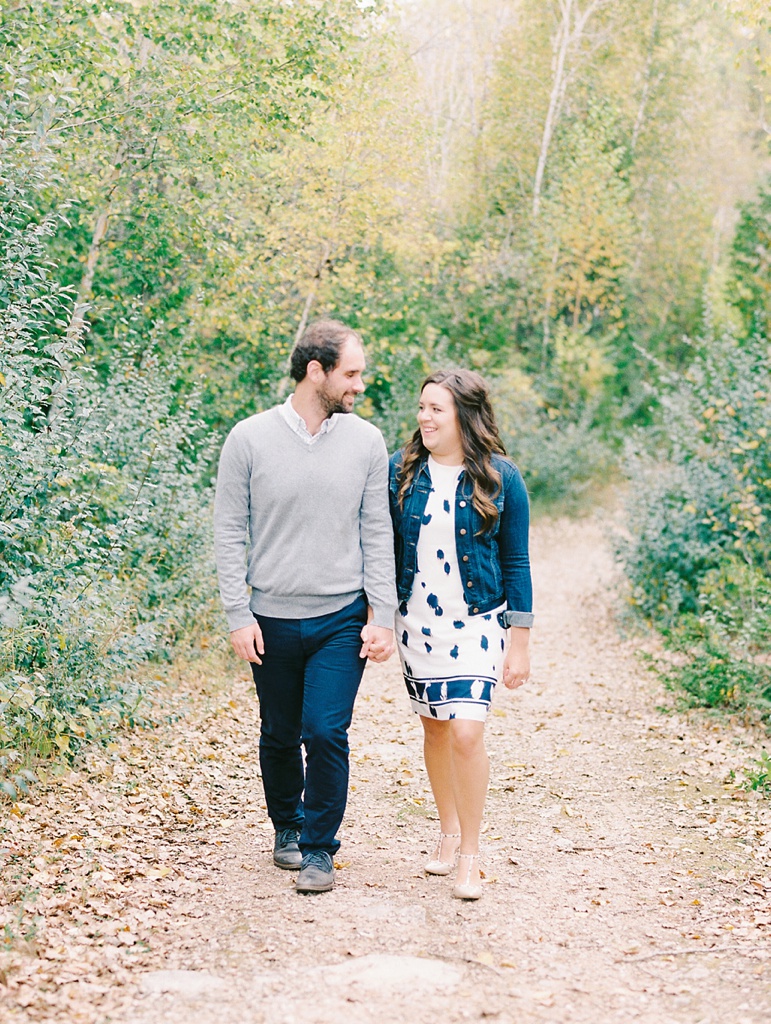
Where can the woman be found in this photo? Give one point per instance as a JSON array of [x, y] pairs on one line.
[[461, 518]]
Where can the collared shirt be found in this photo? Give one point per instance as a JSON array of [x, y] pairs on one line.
[[297, 423]]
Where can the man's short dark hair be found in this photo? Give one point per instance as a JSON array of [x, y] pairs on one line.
[[321, 340]]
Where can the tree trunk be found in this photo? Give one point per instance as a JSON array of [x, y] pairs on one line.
[[639, 120], [561, 44], [565, 38]]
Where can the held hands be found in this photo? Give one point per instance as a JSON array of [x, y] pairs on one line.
[[516, 664], [248, 643], [377, 641]]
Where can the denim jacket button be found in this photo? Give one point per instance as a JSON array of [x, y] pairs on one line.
[[470, 584], [465, 558], [462, 504], [474, 610], [463, 533]]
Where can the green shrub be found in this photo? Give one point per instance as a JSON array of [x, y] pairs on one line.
[[758, 777], [560, 458], [104, 556], [698, 547]]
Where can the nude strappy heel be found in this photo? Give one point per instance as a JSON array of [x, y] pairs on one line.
[[466, 890], [437, 866]]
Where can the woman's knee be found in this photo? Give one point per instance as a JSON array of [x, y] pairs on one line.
[[436, 732], [468, 739]]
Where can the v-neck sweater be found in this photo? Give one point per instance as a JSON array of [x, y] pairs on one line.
[[317, 518]]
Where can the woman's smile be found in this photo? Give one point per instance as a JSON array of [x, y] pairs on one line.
[[438, 423]]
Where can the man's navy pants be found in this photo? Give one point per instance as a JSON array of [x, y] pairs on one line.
[[307, 685]]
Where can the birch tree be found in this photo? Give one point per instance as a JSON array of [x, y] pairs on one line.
[[566, 46]]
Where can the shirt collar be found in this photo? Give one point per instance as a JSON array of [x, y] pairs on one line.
[[298, 424]]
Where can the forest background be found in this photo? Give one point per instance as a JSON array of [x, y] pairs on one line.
[[572, 196]]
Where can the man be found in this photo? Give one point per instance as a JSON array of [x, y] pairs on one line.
[[310, 484]]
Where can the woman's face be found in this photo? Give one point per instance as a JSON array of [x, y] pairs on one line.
[[438, 422]]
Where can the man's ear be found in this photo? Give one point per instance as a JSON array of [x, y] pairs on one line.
[[315, 371]]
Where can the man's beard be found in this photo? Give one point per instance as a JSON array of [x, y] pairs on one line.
[[332, 404]]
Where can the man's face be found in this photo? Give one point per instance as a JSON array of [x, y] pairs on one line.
[[341, 385]]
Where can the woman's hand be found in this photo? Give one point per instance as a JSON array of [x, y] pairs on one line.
[[516, 664]]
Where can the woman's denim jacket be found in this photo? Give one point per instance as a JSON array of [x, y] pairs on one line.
[[494, 566]]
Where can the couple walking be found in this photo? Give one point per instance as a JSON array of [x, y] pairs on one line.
[[313, 593]]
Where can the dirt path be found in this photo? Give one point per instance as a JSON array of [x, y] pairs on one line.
[[627, 879]]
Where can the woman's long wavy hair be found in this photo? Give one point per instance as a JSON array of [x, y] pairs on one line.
[[479, 436]]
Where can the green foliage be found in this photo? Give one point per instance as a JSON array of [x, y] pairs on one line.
[[184, 183], [103, 542], [758, 777], [716, 675], [560, 456], [698, 557], [751, 261]]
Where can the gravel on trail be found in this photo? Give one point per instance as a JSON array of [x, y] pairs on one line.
[[628, 876]]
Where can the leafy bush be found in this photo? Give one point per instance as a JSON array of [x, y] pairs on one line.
[[698, 551], [758, 776], [560, 458], [103, 505]]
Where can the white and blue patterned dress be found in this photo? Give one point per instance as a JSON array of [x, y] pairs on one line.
[[451, 660]]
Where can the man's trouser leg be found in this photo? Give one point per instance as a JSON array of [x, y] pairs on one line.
[[279, 681], [307, 686], [333, 672]]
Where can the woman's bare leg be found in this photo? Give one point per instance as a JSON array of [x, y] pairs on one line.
[[470, 777], [437, 751]]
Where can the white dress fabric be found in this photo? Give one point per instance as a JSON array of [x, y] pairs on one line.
[[451, 660]]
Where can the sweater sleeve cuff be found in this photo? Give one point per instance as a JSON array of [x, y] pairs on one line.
[[383, 615], [522, 619], [238, 618]]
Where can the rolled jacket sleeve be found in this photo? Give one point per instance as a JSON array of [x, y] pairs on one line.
[[513, 544]]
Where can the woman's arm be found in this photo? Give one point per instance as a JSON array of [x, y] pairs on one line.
[[516, 664], [513, 548]]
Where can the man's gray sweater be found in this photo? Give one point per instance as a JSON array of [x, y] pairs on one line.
[[317, 517]]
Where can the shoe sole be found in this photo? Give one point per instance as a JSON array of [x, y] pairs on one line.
[[308, 891], [287, 867]]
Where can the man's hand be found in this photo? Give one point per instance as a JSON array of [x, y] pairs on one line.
[[378, 643], [516, 664], [248, 643]]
